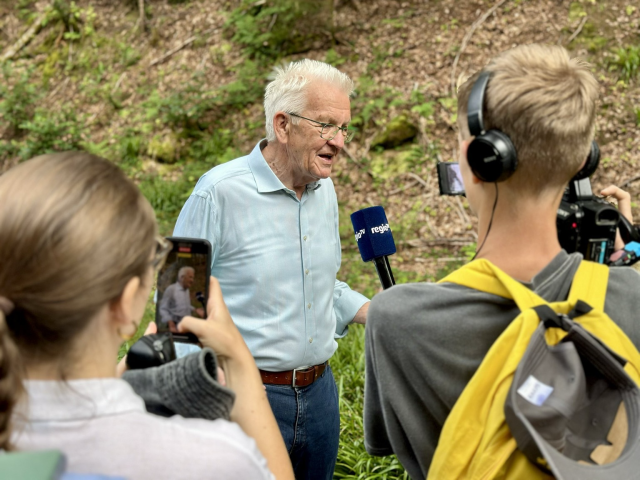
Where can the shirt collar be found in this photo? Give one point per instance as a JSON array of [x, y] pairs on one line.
[[266, 180]]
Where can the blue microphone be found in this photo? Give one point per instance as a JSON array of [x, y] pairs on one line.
[[375, 241]]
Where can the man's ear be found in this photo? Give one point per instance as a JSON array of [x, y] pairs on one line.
[[281, 126], [464, 148], [121, 309]]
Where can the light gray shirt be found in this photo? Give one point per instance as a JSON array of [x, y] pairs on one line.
[[424, 342], [276, 257], [102, 426], [175, 303]]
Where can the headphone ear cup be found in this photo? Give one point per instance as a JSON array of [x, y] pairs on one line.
[[492, 156]]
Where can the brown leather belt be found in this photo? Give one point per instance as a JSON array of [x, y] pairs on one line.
[[298, 377]]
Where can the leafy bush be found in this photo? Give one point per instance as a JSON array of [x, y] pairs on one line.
[[51, 132], [276, 28], [627, 62], [17, 102]]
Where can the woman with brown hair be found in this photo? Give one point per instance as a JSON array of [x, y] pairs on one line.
[[78, 249]]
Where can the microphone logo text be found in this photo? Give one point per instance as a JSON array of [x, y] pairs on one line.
[[380, 229], [359, 234]]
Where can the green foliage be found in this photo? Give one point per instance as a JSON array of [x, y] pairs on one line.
[[576, 11], [129, 56], [167, 198], [247, 88], [195, 109], [17, 102], [185, 109], [627, 62], [48, 131], [128, 149], [333, 58], [353, 460], [276, 28], [422, 107]]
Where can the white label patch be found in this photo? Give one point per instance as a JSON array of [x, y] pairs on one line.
[[535, 391]]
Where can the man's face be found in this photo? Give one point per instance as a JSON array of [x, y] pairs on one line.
[[311, 156], [187, 279]]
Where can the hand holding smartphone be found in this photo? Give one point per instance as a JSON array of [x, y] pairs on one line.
[[183, 288]]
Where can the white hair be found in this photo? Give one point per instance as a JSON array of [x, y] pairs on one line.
[[287, 92], [184, 270]]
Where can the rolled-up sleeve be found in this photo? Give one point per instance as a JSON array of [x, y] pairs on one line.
[[346, 302]]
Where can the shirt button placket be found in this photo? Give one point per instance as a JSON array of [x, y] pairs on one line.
[[310, 324]]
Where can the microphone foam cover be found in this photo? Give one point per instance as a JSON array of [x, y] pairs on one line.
[[373, 234]]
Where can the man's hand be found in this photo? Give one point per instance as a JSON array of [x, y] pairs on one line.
[[361, 315]]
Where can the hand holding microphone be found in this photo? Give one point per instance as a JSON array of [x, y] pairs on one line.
[[375, 241]]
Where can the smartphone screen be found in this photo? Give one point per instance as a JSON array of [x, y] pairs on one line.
[[183, 286], [450, 179]]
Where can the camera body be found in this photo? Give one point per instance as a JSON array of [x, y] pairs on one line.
[[586, 224]]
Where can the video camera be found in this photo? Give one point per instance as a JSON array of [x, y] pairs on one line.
[[586, 223]]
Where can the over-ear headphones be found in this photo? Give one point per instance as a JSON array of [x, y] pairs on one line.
[[491, 155]]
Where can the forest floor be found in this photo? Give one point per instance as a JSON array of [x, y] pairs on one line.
[[171, 93], [142, 90]]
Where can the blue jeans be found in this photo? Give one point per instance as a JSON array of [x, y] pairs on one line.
[[309, 421]]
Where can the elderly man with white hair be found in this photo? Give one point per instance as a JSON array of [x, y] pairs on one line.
[[272, 220], [176, 300]]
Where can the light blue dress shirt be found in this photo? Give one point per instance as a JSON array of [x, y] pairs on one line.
[[276, 258]]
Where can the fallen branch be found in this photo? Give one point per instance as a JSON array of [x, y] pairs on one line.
[[184, 44], [417, 179], [578, 30], [141, 15], [466, 39], [26, 37], [403, 188], [272, 22], [630, 181], [170, 53], [57, 88]]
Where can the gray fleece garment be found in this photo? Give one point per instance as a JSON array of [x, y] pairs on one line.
[[424, 342], [187, 386]]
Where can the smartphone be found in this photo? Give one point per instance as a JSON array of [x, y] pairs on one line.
[[183, 288], [450, 179]]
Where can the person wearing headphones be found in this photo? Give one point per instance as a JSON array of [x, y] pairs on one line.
[[526, 124], [78, 251]]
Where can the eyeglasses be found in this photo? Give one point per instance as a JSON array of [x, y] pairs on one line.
[[329, 131], [163, 247]]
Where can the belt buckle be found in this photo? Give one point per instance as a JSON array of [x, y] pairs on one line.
[[295, 370]]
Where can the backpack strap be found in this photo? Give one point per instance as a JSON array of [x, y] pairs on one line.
[[484, 276], [590, 284]]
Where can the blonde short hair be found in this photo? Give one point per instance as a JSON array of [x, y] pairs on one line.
[[545, 102]]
